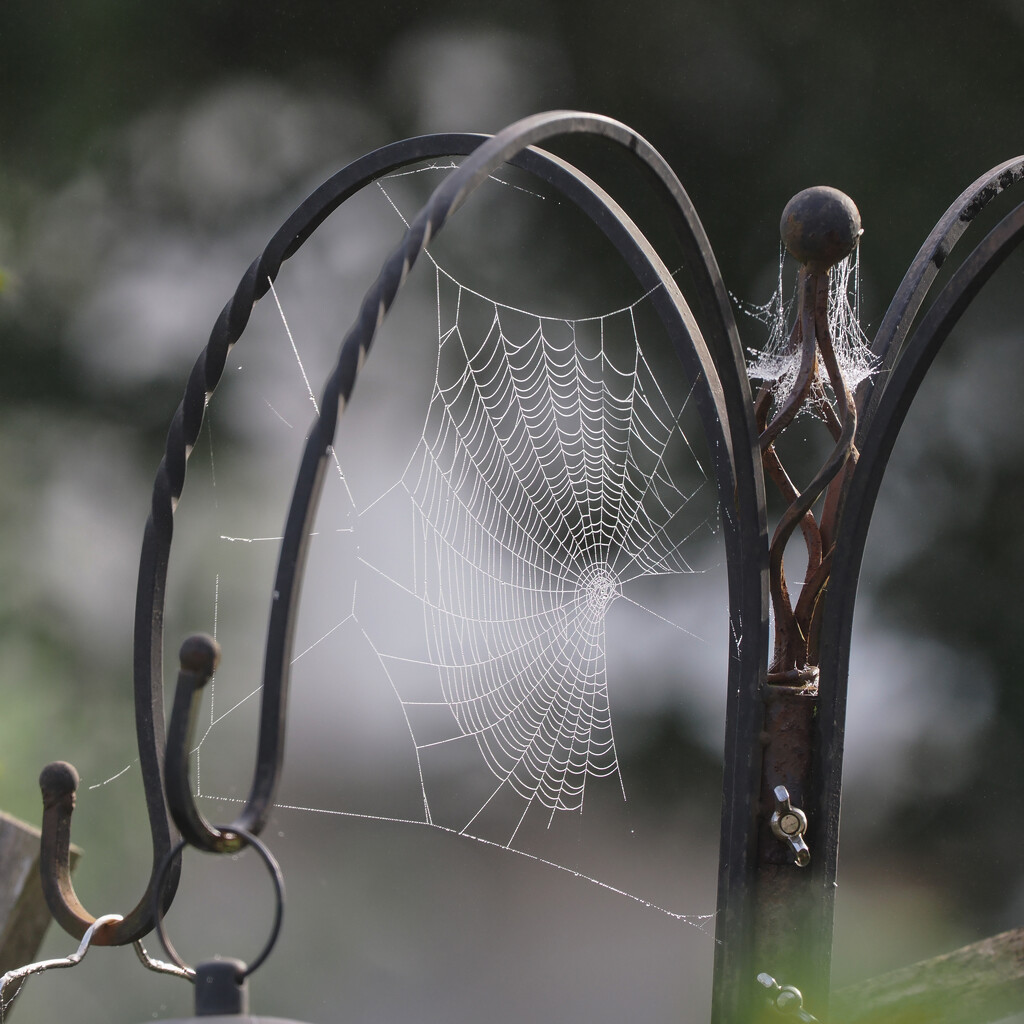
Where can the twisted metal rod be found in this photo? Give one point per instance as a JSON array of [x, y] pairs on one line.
[[795, 621], [59, 781]]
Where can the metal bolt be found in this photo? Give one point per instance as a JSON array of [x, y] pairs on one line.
[[786, 999], [790, 824]]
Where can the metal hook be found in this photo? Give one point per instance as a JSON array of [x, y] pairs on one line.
[[198, 658], [59, 784], [59, 780]]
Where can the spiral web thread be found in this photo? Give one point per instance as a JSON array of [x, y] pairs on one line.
[[542, 488], [553, 476]]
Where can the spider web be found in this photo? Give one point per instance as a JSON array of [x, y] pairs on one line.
[[777, 365], [541, 490], [468, 593]]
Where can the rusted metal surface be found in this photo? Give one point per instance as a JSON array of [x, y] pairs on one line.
[[783, 892], [820, 226]]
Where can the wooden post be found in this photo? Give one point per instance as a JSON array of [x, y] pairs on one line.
[[979, 984], [23, 911]]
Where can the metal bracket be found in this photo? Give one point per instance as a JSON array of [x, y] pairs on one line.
[[789, 824]]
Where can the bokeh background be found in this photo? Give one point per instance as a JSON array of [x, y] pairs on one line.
[[148, 151]]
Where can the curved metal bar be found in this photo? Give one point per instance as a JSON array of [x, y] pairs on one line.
[[793, 515], [742, 504], [913, 289], [198, 660], [786, 630], [58, 782], [446, 199], [58, 795], [803, 335], [743, 510], [878, 436]]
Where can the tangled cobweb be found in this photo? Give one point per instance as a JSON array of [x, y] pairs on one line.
[[777, 365]]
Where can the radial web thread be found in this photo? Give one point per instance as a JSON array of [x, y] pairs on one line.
[[543, 487], [552, 479]]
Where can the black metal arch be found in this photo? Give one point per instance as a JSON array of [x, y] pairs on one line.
[[59, 782], [745, 527], [886, 403], [727, 417], [917, 282], [685, 335]]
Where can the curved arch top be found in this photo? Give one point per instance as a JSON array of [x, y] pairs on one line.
[[906, 362], [724, 404], [917, 282], [744, 532]]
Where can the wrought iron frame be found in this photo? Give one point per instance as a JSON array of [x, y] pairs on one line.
[[757, 897]]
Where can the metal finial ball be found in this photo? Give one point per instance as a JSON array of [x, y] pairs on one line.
[[820, 226]]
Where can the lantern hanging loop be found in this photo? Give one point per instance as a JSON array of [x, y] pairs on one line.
[[243, 839]]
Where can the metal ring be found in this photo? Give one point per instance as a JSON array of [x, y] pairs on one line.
[[275, 873]]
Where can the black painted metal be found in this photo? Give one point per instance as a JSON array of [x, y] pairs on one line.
[[726, 406], [744, 525], [221, 988], [712, 358], [913, 290], [274, 869], [727, 416], [156, 544], [879, 431]]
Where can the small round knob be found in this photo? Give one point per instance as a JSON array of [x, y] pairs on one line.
[[199, 654], [820, 226], [58, 782]]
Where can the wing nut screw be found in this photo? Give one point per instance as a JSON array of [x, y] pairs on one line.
[[789, 824]]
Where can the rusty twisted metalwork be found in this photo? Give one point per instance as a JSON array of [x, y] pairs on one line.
[[820, 227]]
